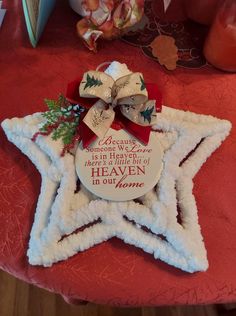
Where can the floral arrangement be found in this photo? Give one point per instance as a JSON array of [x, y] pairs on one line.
[[107, 18]]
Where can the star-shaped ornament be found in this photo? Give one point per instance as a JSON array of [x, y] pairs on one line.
[[163, 221]]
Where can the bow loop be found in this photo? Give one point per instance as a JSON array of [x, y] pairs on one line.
[[129, 89], [128, 93], [96, 84]]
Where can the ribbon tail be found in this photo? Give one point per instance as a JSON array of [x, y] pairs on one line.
[[154, 94], [87, 135], [142, 133], [99, 119]]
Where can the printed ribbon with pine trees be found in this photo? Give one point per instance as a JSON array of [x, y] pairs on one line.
[[127, 103]]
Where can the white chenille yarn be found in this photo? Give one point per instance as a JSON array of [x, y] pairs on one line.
[[61, 214]]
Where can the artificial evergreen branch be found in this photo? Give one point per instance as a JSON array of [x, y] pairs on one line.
[[61, 121]]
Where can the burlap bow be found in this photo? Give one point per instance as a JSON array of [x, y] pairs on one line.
[[128, 92]]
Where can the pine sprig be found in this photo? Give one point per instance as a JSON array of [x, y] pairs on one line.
[[61, 121], [51, 104], [65, 131], [61, 102], [55, 111], [92, 82]]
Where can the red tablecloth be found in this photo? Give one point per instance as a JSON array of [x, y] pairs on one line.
[[112, 272]]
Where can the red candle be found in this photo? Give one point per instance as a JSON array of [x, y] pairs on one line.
[[220, 45]]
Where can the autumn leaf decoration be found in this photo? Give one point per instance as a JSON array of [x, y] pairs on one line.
[[92, 82], [61, 122], [164, 48]]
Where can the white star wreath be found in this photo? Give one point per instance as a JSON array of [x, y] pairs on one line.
[[188, 140]]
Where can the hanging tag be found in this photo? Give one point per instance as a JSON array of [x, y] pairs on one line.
[[98, 119], [118, 167]]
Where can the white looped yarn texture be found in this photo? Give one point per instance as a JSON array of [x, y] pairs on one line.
[[151, 223]]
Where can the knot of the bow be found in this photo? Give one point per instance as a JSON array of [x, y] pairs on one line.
[[128, 92]]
